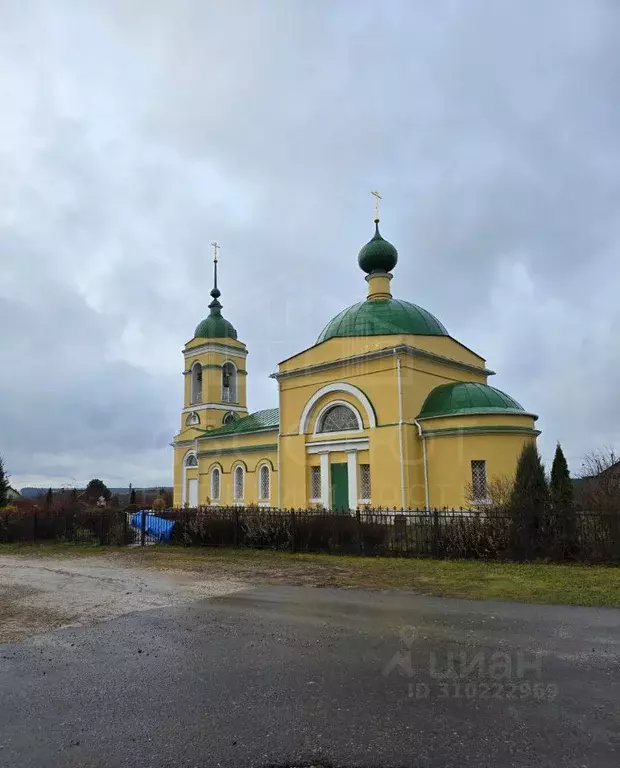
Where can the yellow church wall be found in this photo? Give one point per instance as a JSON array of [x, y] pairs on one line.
[[294, 478], [481, 420], [338, 348], [376, 379], [449, 463]]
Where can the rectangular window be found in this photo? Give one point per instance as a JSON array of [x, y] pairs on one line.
[[315, 483], [364, 493], [479, 480]]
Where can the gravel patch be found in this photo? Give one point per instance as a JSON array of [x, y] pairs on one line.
[[38, 595]]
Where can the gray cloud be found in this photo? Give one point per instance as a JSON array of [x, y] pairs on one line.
[[133, 134]]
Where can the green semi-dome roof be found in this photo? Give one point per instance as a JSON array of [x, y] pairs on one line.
[[377, 255], [462, 398], [383, 317], [215, 327]]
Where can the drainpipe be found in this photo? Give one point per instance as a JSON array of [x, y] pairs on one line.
[[423, 439], [278, 449], [400, 432]]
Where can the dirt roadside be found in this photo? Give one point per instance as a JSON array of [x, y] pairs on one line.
[[41, 594]]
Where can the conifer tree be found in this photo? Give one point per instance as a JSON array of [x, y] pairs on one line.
[[4, 485], [561, 486], [529, 503], [562, 503], [49, 498]]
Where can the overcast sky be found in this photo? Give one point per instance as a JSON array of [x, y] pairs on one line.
[[134, 133]]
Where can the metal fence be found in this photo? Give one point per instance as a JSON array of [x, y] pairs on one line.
[[489, 534]]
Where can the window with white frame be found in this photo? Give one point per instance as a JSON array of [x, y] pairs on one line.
[[238, 483], [364, 491], [215, 484], [229, 417], [340, 418], [315, 483], [229, 383], [192, 418], [479, 480], [263, 483], [196, 383], [191, 460]]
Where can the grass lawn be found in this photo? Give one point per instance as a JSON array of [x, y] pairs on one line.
[[531, 583]]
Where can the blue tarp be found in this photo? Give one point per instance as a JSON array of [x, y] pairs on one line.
[[156, 527]]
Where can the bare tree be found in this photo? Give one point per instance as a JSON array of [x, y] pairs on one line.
[[499, 488], [599, 483]]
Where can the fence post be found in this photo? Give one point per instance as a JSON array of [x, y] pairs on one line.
[[293, 531], [124, 527], [435, 531], [236, 514], [34, 527], [358, 531], [142, 528]]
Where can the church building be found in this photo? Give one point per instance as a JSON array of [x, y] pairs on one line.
[[386, 409]]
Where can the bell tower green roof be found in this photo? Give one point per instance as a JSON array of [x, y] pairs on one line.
[[215, 326]]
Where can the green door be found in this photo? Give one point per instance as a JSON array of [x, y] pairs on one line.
[[340, 487]]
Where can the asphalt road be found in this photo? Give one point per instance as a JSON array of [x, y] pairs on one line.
[[300, 677]]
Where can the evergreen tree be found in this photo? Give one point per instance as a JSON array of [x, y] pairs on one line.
[[4, 485], [49, 498], [561, 485], [529, 503], [96, 489], [132, 496], [562, 503]]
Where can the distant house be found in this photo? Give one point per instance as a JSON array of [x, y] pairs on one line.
[[13, 495]]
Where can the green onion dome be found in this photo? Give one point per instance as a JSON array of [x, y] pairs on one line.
[[377, 255], [383, 317], [463, 398]]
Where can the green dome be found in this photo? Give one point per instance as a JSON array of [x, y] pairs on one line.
[[215, 327], [383, 317], [462, 398], [377, 255]]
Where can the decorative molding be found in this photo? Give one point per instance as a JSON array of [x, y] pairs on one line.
[[343, 444], [475, 412], [380, 353], [214, 346], [240, 449], [337, 386], [207, 436], [480, 431], [215, 406]]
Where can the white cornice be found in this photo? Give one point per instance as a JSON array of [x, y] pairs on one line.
[[342, 444], [214, 347], [215, 406], [377, 354]]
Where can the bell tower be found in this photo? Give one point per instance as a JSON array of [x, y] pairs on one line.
[[214, 372]]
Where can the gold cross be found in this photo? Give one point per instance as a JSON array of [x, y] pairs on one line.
[[216, 247], [377, 197]]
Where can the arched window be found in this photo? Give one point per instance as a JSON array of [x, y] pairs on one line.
[[191, 460], [229, 417], [215, 484], [238, 483], [196, 383], [192, 418], [264, 490], [229, 383], [340, 418]]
